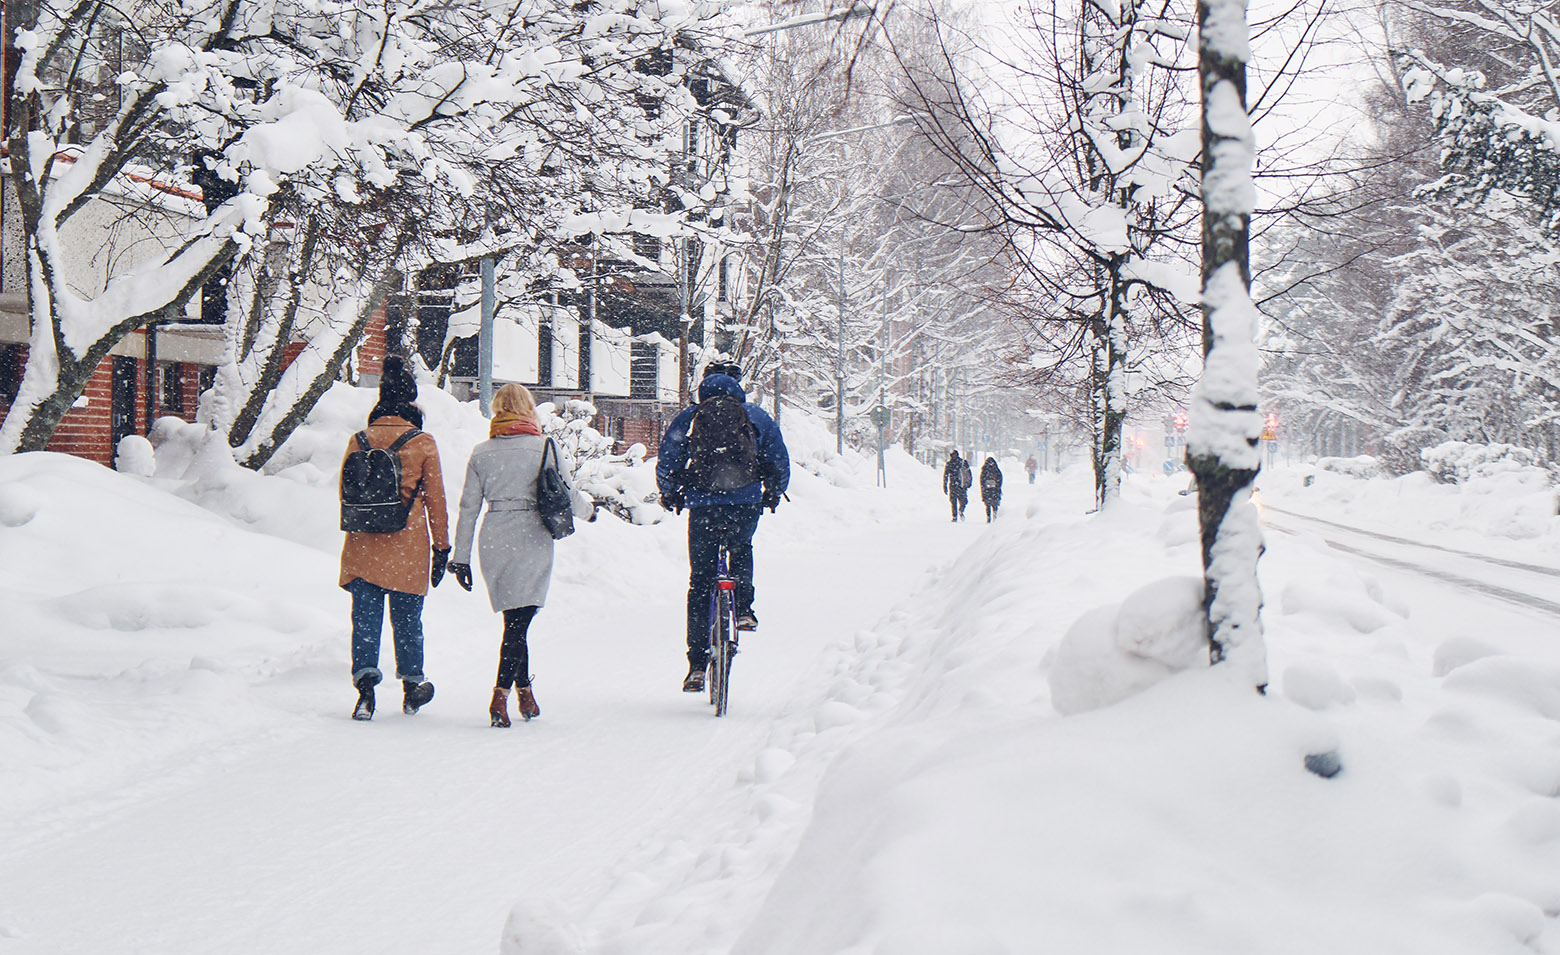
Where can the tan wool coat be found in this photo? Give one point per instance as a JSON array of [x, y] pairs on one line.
[[400, 561]]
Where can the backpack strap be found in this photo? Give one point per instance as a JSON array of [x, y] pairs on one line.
[[399, 442], [362, 441]]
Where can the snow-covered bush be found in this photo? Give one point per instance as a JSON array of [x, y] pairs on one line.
[[1457, 462], [1400, 448], [622, 483], [1362, 466]]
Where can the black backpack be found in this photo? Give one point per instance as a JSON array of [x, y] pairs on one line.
[[371, 488], [552, 496], [722, 446]]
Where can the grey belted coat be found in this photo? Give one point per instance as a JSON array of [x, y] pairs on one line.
[[515, 548]]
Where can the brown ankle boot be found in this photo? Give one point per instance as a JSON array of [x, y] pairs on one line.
[[526, 703], [499, 708]]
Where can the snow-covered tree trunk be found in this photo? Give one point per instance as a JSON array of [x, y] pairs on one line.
[[1225, 424], [263, 305]]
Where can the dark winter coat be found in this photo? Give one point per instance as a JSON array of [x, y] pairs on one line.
[[400, 561], [953, 478], [774, 462], [990, 482]]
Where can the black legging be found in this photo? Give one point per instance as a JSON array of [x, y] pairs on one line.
[[514, 658]]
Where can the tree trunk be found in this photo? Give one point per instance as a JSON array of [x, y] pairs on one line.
[[263, 450], [272, 365], [1225, 425]]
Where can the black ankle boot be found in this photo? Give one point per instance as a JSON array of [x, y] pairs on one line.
[[414, 696], [365, 704]]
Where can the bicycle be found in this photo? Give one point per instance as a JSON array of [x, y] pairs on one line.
[[723, 631]]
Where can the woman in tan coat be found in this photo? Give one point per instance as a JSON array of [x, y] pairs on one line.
[[396, 565]]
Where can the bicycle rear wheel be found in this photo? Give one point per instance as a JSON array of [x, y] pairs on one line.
[[724, 629]]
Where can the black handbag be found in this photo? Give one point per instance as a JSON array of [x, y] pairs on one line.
[[552, 496]]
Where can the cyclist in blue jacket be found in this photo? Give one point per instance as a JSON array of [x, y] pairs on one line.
[[725, 460]]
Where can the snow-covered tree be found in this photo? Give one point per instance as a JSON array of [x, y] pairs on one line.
[[387, 129], [1079, 147], [1225, 423]]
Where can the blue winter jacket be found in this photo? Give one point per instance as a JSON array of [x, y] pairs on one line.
[[774, 463]]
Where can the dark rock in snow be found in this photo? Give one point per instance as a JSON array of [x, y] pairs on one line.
[[1326, 765]]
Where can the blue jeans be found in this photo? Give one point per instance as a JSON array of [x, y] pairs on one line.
[[708, 528], [368, 620]]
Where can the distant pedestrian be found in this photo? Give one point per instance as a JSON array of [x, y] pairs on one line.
[[991, 487], [392, 492], [1031, 466], [956, 484], [516, 547]]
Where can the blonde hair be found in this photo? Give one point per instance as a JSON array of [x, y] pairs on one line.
[[516, 400]]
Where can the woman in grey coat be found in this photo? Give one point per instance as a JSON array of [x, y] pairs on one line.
[[516, 549]]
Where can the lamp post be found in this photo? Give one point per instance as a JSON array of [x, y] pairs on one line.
[[485, 341]]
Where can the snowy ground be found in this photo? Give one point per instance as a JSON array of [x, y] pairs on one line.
[[180, 774]]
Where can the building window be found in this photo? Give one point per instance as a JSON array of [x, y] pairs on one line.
[[642, 369], [173, 387], [585, 355]]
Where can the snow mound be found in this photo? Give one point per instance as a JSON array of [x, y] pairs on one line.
[[1114, 652], [540, 928], [1316, 686], [1459, 651], [135, 456], [1350, 598], [18, 504]]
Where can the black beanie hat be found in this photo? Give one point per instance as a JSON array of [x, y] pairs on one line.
[[397, 391], [396, 384]]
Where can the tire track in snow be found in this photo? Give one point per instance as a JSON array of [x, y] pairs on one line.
[[1485, 588], [1486, 558]]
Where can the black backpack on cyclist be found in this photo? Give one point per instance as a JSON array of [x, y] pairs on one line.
[[371, 488], [722, 446]]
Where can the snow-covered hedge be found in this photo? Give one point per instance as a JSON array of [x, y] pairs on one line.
[[1457, 462], [1362, 466]]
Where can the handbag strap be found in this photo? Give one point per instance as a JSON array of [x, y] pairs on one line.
[[549, 446]]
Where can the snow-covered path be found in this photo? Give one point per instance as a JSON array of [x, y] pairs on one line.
[[315, 834]]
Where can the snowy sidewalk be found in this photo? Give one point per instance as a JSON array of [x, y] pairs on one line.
[[300, 831]]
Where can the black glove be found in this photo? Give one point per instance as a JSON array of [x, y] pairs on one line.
[[673, 500], [462, 575], [770, 499], [440, 559]]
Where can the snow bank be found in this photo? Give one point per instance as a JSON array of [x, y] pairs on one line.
[[1503, 502], [932, 796], [135, 624]]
